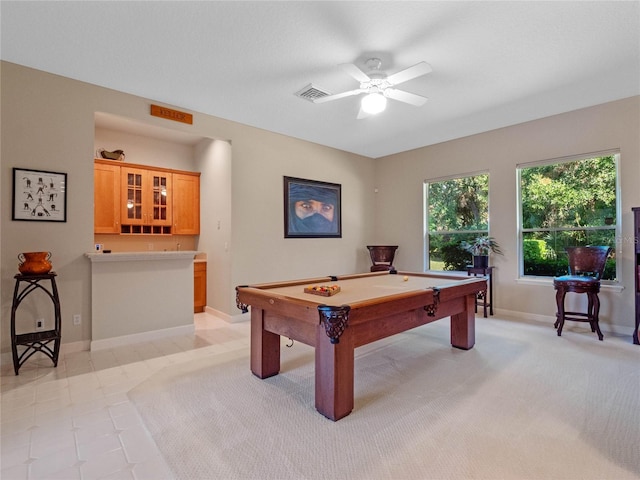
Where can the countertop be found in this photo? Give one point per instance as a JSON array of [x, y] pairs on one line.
[[142, 256]]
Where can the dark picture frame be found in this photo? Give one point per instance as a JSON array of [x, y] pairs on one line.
[[312, 209], [39, 195]]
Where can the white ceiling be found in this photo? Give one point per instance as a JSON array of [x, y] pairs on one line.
[[494, 63]]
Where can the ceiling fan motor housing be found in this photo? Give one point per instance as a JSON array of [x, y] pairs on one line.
[[376, 83]]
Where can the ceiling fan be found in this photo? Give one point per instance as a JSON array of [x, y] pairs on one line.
[[378, 86]]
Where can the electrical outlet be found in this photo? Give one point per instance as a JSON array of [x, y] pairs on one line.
[[77, 319], [39, 324], [150, 246]]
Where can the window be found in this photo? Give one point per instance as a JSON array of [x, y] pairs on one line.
[[567, 203], [457, 209]]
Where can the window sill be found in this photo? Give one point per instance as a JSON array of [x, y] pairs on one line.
[[548, 281]]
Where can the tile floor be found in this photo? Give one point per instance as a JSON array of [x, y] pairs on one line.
[[76, 421]]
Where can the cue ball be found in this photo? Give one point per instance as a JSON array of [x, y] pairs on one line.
[[406, 278]]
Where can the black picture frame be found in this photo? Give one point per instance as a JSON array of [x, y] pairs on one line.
[[39, 195], [321, 217]]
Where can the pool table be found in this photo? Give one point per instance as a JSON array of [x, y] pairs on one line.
[[367, 307]]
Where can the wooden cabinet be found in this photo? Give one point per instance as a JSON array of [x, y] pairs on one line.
[[636, 259], [199, 286], [186, 203], [146, 197], [136, 199], [106, 197]]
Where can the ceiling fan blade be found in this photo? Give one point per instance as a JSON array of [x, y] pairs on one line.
[[362, 114], [329, 98], [418, 69], [355, 72], [406, 97]]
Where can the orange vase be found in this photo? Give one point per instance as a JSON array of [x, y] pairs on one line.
[[34, 263]]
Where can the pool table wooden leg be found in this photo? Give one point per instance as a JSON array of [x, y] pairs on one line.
[[334, 375], [265, 347], [463, 325]]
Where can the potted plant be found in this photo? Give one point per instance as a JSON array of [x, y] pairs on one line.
[[480, 248]]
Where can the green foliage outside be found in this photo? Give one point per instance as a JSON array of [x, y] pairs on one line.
[[458, 212], [454, 257], [574, 194], [566, 204], [459, 204]]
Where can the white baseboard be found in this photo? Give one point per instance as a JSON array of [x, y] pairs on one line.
[[549, 319], [84, 345], [141, 337], [7, 357], [73, 347], [241, 317]]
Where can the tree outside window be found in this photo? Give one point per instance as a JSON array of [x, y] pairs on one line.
[[566, 204], [457, 210]]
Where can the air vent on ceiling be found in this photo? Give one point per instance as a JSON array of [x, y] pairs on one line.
[[311, 92]]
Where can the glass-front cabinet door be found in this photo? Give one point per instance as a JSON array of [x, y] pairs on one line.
[[146, 198], [134, 198], [161, 191]]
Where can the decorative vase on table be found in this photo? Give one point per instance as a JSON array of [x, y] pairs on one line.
[[34, 263], [480, 261], [480, 248]]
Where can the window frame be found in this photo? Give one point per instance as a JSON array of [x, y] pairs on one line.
[[617, 228], [426, 214]]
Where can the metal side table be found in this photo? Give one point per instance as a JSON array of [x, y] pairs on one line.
[[35, 341]]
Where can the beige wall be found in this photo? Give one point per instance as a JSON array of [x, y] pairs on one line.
[[48, 123], [140, 293], [145, 149], [214, 163], [400, 178]]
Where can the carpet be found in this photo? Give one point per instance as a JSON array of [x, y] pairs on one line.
[[523, 404]]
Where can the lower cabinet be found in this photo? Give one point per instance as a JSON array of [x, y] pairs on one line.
[[199, 286]]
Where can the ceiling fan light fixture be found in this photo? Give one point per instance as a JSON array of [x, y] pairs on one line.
[[373, 103]]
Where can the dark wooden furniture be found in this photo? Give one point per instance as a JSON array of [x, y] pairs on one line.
[[369, 307], [382, 257], [35, 341], [586, 265], [636, 258], [485, 298]]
